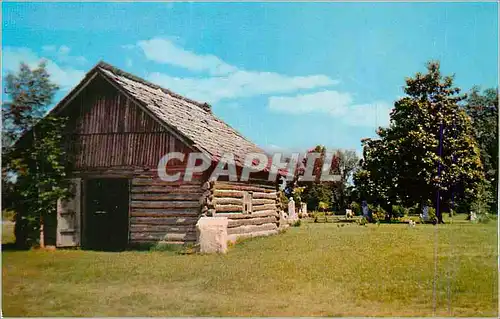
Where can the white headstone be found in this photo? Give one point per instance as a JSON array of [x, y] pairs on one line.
[[349, 213], [292, 214], [473, 216], [283, 220], [303, 207], [212, 234]]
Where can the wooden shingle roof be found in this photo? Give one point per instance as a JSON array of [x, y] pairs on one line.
[[191, 119]]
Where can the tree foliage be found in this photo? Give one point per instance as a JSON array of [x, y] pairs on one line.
[[428, 149], [331, 194], [483, 110], [34, 170]]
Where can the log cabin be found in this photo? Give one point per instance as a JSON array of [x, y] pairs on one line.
[[119, 127]]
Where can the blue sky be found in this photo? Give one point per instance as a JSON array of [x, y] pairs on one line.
[[286, 75]]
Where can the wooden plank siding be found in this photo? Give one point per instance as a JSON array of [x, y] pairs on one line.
[[107, 129]]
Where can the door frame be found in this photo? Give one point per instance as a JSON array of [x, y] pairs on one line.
[[83, 215]]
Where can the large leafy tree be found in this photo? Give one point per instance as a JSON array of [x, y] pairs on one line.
[[34, 162], [428, 154], [331, 193], [346, 163], [315, 192], [483, 110]]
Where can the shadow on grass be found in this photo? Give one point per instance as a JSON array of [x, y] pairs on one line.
[[12, 247]]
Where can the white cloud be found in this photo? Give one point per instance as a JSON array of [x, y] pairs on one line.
[[164, 51], [331, 102], [223, 80], [61, 54], [65, 77], [336, 104], [239, 84], [373, 114]]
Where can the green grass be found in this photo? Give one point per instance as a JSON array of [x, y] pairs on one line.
[[311, 270]]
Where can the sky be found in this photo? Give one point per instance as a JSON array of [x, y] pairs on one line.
[[288, 76]]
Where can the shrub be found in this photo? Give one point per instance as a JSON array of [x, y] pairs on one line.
[[414, 210], [362, 222], [283, 198], [483, 218], [297, 223], [322, 206], [356, 208], [377, 213], [399, 211]]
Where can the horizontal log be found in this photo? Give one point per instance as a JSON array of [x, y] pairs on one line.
[[164, 204], [251, 221], [162, 242], [169, 196], [265, 195], [244, 187], [235, 237], [157, 236], [228, 208], [169, 169], [228, 193], [263, 201], [151, 212], [162, 228], [264, 213], [257, 208], [159, 182], [180, 189], [251, 228], [164, 221], [227, 200]]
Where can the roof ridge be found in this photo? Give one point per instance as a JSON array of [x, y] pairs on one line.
[[203, 105]]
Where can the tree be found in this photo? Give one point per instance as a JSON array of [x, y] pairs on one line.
[[483, 110], [331, 193], [313, 192], [428, 154], [346, 162], [34, 162]]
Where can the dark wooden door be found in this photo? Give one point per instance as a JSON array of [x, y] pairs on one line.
[[106, 214]]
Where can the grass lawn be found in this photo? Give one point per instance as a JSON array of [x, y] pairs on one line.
[[311, 270]]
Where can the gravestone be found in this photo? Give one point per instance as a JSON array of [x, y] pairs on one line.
[[366, 211], [473, 216], [212, 234], [349, 213], [292, 214], [425, 213], [303, 210], [283, 223]]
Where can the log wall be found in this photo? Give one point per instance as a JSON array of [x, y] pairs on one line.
[[164, 211], [228, 201]]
